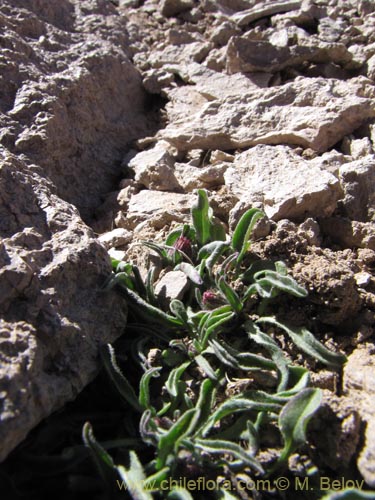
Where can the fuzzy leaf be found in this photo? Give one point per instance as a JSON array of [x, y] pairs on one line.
[[178, 309], [272, 279], [101, 458], [149, 312], [120, 381], [230, 295], [295, 416], [241, 234], [144, 386], [134, 478], [248, 401], [259, 265], [201, 215], [172, 383], [306, 341], [190, 272], [240, 360], [212, 251], [206, 367], [169, 441], [277, 355], [216, 446]]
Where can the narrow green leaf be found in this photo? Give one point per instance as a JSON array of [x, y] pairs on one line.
[[150, 291], [120, 381], [213, 325], [267, 279], [230, 295], [159, 249], [237, 360], [216, 446], [300, 377], [144, 387], [259, 265], [169, 441], [201, 215], [134, 478], [205, 402], [306, 341], [243, 231], [102, 459], [174, 377], [178, 309], [190, 272], [152, 483], [212, 251], [248, 401], [256, 335], [149, 312], [206, 367], [295, 416]]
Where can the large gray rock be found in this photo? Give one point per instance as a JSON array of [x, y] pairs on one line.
[[263, 9], [71, 100], [358, 181], [54, 312], [160, 208], [283, 183], [311, 112], [244, 55], [358, 384]]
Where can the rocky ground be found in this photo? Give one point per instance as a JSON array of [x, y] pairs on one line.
[[265, 104], [270, 104]]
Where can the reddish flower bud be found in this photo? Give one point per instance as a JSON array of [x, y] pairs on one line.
[[184, 244], [211, 299]]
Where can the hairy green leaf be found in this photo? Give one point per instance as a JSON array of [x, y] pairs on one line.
[[216, 446], [190, 272], [120, 381], [247, 401], [201, 215], [271, 279], [206, 367], [169, 441], [172, 383], [295, 416], [149, 312], [134, 478], [306, 341], [144, 387], [231, 296], [102, 459], [241, 235]]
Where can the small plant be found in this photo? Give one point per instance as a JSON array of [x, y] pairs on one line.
[[221, 379]]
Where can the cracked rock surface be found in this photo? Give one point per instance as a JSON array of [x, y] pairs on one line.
[[64, 126]]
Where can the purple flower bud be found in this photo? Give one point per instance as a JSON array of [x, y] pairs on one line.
[[211, 299], [184, 244]]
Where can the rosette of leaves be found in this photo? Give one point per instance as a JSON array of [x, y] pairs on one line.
[[216, 332]]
